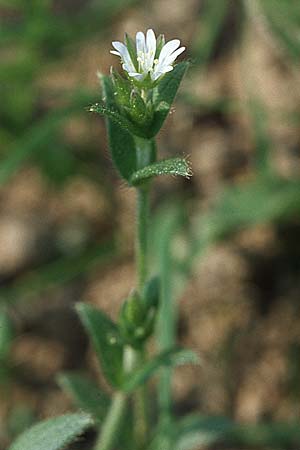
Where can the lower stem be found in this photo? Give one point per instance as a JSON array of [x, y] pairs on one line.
[[111, 424]]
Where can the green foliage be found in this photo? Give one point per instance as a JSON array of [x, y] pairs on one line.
[[174, 166], [213, 14], [169, 358], [106, 340], [85, 394], [283, 17], [53, 434]]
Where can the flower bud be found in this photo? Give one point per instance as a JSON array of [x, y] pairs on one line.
[[136, 320]]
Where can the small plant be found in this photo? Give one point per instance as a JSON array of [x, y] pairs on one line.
[[135, 105]]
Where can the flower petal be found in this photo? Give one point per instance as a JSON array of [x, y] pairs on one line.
[[140, 42], [170, 59], [114, 52], [124, 53], [168, 48], [151, 42]]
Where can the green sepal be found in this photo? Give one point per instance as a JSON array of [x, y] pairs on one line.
[[106, 341], [164, 94], [169, 358], [122, 88], [174, 166], [85, 394], [121, 142], [53, 434], [130, 44], [138, 111]]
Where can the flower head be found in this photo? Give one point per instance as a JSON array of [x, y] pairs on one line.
[[147, 55]]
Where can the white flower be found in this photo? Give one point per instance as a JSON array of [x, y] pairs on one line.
[[146, 61]]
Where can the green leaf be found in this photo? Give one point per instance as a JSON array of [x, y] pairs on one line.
[[274, 435], [191, 432], [53, 434], [174, 166], [106, 341], [169, 358], [121, 142], [85, 394], [164, 94], [196, 430]]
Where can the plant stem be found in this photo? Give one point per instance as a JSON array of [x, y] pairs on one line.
[[111, 424], [145, 155], [142, 235]]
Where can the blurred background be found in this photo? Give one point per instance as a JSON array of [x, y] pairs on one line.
[[67, 221]]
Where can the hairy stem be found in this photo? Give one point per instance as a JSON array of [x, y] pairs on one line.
[[142, 235], [145, 155]]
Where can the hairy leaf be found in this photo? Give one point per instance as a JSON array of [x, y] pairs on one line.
[[85, 394], [174, 166], [106, 341], [53, 434], [117, 118]]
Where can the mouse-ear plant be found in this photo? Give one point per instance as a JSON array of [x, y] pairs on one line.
[[135, 105]]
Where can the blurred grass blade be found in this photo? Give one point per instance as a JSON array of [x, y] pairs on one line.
[[264, 200], [85, 394], [53, 434], [37, 136], [262, 140], [195, 430], [212, 17], [268, 435], [6, 335], [56, 273]]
